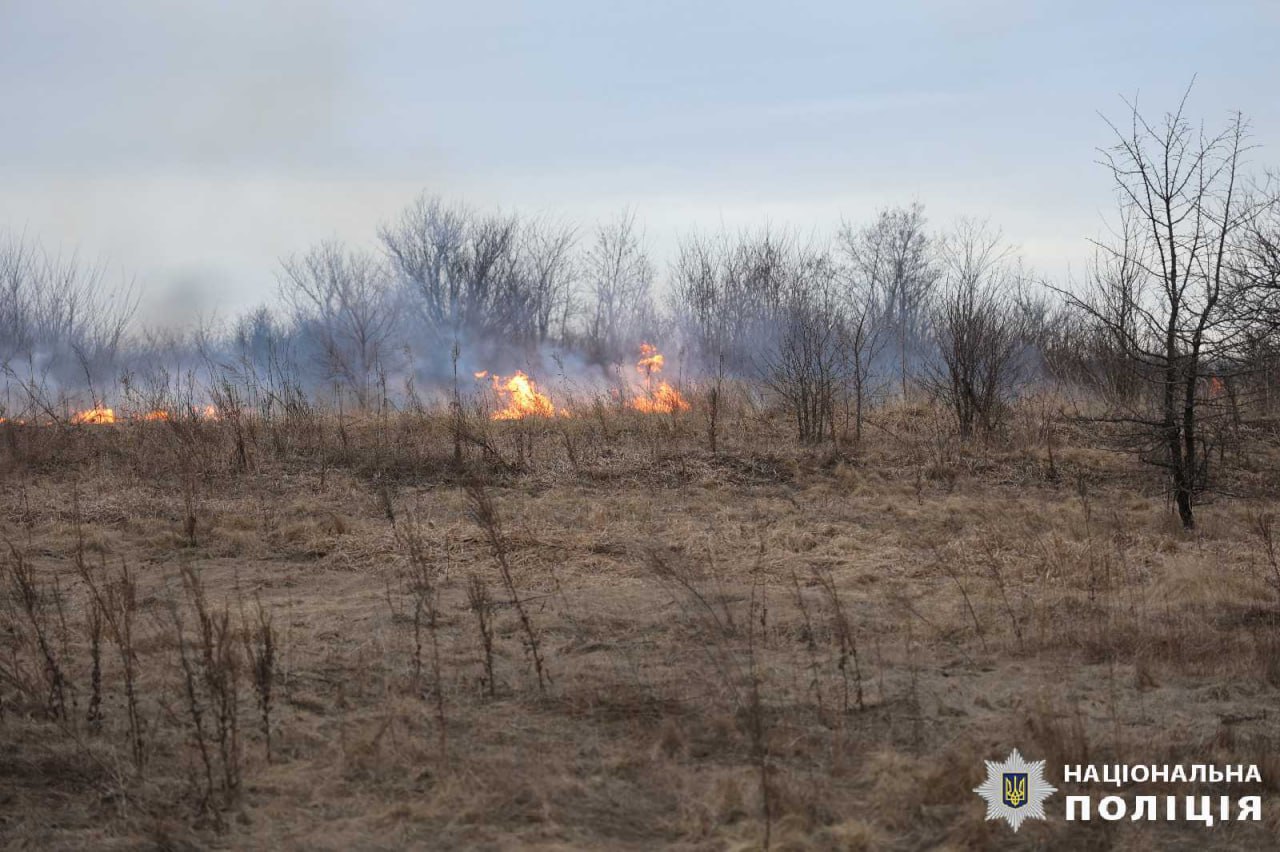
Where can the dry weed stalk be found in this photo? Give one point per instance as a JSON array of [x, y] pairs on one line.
[[847, 643], [995, 561], [194, 703], [480, 603], [230, 409], [486, 517], [756, 713], [716, 633], [426, 614], [1262, 525], [570, 447], [260, 648], [951, 572], [219, 669], [116, 598], [33, 602], [811, 648], [94, 629]]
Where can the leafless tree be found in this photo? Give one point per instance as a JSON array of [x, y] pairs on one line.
[[767, 305], [861, 342], [547, 249], [619, 276], [463, 271], [1108, 364], [1176, 305], [730, 293], [259, 353], [1258, 263], [894, 260], [977, 328], [61, 324], [807, 361], [696, 297], [343, 301]]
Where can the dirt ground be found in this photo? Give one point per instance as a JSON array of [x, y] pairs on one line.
[[768, 644]]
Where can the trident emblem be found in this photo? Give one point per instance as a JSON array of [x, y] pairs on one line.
[[1015, 789]]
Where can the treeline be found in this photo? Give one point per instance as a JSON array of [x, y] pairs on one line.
[[448, 283], [1177, 316]]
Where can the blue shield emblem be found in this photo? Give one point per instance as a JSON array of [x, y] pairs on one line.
[[1014, 790]]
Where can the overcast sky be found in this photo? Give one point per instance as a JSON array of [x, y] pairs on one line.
[[189, 145]]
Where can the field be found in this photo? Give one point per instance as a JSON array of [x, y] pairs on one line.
[[597, 632]]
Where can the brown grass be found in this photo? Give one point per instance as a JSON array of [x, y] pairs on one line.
[[597, 632]]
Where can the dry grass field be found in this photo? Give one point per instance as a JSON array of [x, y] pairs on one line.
[[329, 632]]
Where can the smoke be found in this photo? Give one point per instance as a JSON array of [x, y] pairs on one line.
[[451, 291]]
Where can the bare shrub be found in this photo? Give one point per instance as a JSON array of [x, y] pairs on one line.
[[979, 335], [807, 362]]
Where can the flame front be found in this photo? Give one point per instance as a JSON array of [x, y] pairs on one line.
[[521, 398], [662, 399], [100, 415], [97, 416], [659, 397]]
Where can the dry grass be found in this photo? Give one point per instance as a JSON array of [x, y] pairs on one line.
[[597, 633]]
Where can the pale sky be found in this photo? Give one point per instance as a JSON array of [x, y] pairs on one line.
[[190, 145]]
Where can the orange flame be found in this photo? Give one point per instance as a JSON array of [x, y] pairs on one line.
[[661, 398], [521, 397], [97, 416], [650, 360], [158, 414]]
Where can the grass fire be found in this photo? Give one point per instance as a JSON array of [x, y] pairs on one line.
[[497, 528], [98, 415], [520, 398], [657, 396]]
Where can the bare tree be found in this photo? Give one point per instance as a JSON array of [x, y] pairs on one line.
[[1258, 263], [1176, 305], [61, 325], [977, 328], [861, 341], [547, 250], [807, 362], [730, 294], [467, 275], [1109, 364], [893, 259], [696, 298], [620, 280], [343, 301]]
